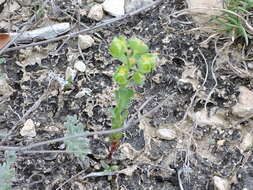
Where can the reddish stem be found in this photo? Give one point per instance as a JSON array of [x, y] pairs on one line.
[[114, 147]]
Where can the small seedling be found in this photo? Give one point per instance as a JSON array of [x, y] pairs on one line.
[[233, 24], [80, 145], [7, 172], [2, 60], [109, 168], [136, 63]]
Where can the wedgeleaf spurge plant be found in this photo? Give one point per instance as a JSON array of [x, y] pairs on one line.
[[136, 63]]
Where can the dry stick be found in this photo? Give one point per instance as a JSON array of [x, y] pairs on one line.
[[215, 80], [186, 167], [50, 151], [100, 25], [206, 75], [106, 132], [202, 85], [70, 179], [5, 48]]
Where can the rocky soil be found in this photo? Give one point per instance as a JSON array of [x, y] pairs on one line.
[[201, 138]]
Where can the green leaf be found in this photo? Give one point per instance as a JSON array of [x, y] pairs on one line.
[[114, 167], [117, 136], [146, 63], [137, 46], [121, 75], [118, 47], [138, 78], [123, 97], [2, 60], [117, 120]]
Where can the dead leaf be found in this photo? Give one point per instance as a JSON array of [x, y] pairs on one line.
[[4, 39]]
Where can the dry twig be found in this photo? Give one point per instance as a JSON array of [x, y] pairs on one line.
[[86, 30]]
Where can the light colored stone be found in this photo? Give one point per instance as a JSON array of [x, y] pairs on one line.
[[85, 41], [96, 12], [167, 134], [52, 128], [83, 12], [221, 183], [204, 4], [28, 130], [247, 142], [70, 74], [5, 89], [132, 5], [250, 66], [201, 10], [244, 107], [221, 142], [83, 92], [202, 118], [157, 78], [114, 7], [80, 66]]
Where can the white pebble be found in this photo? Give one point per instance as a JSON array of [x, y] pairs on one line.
[[167, 134], [85, 41], [114, 7], [96, 12], [29, 129], [247, 142], [221, 183], [80, 66]]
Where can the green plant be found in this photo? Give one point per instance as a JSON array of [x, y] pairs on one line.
[[78, 146], [7, 172], [108, 167], [232, 23], [2, 60], [136, 63]]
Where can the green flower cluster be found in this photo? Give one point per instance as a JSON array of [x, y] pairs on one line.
[[136, 63]]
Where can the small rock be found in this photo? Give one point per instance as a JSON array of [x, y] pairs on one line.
[[220, 183], [99, 1], [132, 5], [221, 142], [167, 134], [250, 66], [214, 118], [70, 74], [5, 89], [80, 66], [244, 107], [85, 41], [29, 129], [96, 12], [157, 78], [114, 7], [83, 12], [83, 92], [247, 142], [52, 128]]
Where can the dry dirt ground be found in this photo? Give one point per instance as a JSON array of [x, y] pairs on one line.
[[201, 83]]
